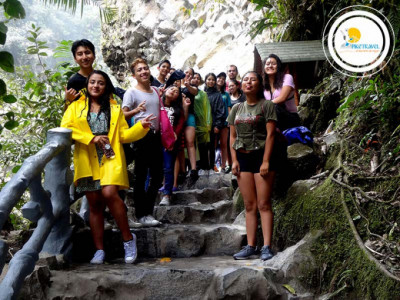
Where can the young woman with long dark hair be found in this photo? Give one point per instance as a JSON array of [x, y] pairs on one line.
[[279, 88], [217, 112], [176, 109], [223, 134], [235, 92], [98, 129], [252, 134]]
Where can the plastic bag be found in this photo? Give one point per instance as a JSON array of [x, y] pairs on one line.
[[202, 112]]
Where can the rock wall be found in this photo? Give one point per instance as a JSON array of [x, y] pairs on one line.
[[209, 37]]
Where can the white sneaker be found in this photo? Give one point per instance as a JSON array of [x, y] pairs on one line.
[[165, 200], [133, 224], [98, 257], [130, 250], [153, 221], [149, 221]]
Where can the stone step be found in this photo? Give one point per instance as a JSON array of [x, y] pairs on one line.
[[175, 240], [218, 212], [204, 277], [189, 278], [204, 196], [215, 181], [215, 277]]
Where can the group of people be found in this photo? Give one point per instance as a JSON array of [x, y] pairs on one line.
[[231, 116]]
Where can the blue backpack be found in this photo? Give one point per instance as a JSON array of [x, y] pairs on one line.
[[299, 134]]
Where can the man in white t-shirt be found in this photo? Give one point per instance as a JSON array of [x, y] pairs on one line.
[[139, 102]]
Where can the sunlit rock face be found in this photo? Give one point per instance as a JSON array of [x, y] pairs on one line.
[[210, 38]]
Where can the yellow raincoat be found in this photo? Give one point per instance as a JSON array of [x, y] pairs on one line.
[[110, 171]]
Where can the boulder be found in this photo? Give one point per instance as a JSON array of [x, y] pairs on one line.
[[300, 187], [294, 262], [310, 101], [302, 160], [238, 202], [326, 112], [167, 27], [173, 26]]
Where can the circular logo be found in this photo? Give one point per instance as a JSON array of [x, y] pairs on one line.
[[358, 41]]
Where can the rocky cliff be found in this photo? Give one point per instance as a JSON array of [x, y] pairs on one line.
[[207, 35]]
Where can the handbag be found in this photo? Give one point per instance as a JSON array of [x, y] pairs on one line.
[[166, 129]]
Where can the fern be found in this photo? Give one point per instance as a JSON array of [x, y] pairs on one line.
[[107, 12]]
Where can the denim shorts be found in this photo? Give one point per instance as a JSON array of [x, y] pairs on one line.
[[191, 121]]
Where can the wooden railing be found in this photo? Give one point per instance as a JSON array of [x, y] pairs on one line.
[[48, 206]]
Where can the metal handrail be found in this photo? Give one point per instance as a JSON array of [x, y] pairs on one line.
[[48, 206]]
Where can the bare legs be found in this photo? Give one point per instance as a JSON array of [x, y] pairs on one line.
[[248, 189], [190, 133], [256, 191], [179, 166], [98, 200]]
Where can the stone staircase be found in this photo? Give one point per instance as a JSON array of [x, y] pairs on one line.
[[188, 257]]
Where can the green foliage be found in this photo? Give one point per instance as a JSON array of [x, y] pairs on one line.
[[39, 106], [6, 61], [343, 268], [306, 20], [14, 9], [372, 106], [3, 33], [107, 12]]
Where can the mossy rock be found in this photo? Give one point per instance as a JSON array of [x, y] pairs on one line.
[[302, 161], [340, 261]]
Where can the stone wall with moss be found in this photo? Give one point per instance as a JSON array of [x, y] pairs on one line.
[[343, 268]]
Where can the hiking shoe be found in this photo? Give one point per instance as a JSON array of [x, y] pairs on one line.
[[149, 221], [266, 253], [98, 257], [165, 200], [130, 250], [247, 252]]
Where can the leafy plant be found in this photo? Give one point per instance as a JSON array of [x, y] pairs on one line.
[[40, 104], [107, 12], [13, 9]]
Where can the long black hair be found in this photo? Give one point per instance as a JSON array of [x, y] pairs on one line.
[[214, 88], [279, 73], [176, 105], [104, 99], [260, 92]]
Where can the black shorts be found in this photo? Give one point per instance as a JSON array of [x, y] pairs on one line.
[[251, 162]]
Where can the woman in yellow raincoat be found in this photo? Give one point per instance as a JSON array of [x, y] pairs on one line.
[[97, 123]]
